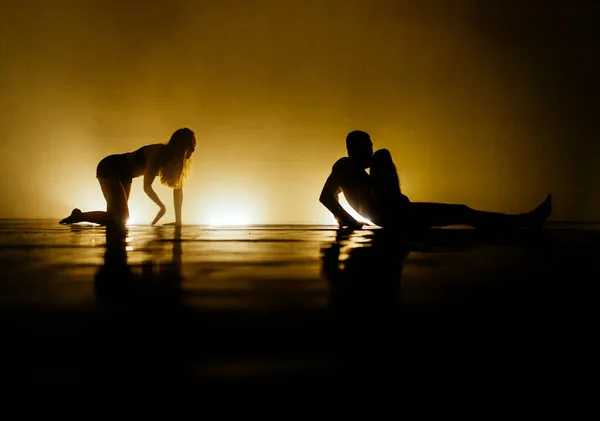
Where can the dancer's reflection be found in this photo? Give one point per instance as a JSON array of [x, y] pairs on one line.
[[115, 277], [364, 272], [166, 281], [143, 334], [153, 283]]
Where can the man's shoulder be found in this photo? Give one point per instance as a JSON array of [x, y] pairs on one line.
[[343, 164]]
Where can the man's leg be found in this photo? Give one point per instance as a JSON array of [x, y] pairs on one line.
[[442, 214]]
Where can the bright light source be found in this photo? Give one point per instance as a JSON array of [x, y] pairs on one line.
[[228, 220], [131, 220], [231, 209]]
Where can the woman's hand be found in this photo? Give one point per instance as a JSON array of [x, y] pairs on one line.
[[160, 214]]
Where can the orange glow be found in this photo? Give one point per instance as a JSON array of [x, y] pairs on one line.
[[227, 212], [222, 209], [229, 220], [447, 96]]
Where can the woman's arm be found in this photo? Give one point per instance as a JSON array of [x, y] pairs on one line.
[[149, 175], [178, 203]]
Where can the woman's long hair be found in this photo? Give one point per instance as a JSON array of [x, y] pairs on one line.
[[384, 176], [176, 163]]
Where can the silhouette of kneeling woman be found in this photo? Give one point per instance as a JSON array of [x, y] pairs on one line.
[[115, 174]]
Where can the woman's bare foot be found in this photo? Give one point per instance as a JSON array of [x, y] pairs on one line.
[[76, 216]]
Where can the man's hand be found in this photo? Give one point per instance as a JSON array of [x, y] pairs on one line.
[[350, 224], [356, 225], [160, 214]]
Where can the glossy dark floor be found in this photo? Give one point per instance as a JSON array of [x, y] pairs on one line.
[[292, 304]]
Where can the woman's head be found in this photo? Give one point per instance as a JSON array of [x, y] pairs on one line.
[[382, 157], [383, 169], [177, 157]]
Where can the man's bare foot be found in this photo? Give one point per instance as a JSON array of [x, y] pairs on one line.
[[76, 216], [536, 218]]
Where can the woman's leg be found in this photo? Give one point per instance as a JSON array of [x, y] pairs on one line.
[[127, 188], [442, 214], [117, 210]]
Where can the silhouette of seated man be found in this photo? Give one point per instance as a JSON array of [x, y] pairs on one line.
[[378, 197]]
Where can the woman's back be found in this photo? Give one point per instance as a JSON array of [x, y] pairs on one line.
[[385, 185], [139, 158]]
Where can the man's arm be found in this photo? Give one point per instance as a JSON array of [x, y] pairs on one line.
[[329, 199]]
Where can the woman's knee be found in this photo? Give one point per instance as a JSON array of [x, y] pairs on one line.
[[116, 200]]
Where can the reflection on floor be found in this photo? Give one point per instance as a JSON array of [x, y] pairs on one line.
[[311, 305]]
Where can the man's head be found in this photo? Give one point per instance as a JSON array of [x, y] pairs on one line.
[[360, 148]]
